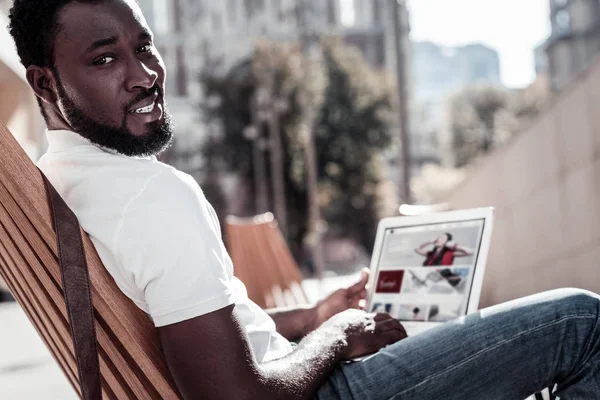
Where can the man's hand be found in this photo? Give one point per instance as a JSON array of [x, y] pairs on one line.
[[342, 300], [366, 333]]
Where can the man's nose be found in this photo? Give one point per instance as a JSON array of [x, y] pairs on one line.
[[139, 76]]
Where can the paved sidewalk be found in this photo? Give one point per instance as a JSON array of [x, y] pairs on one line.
[[27, 370]]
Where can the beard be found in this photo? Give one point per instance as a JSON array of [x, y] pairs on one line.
[[157, 139]]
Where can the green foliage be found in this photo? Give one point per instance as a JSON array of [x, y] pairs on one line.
[[351, 131], [350, 108]]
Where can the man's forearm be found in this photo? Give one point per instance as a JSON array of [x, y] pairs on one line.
[[301, 373], [294, 323]]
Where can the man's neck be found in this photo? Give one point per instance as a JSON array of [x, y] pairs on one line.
[[55, 121]]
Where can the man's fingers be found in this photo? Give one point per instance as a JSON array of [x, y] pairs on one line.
[[380, 317], [358, 300], [389, 325], [394, 336]]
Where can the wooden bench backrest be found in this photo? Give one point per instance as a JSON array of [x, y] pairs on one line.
[[131, 361], [263, 261]]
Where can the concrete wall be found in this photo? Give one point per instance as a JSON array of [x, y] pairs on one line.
[[545, 186], [18, 107], [20, 112]]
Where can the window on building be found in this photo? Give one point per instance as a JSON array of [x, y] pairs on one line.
[[253, 7], [161, 17], [162, 50], [216, 22], [331, 12], [377, 10], [178, 15], [560, 3], [562, 21], [277, 6], [205, 49], [181, 83], [348, 12], [232, 10]]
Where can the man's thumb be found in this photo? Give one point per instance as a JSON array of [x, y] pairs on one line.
[[362, 282]]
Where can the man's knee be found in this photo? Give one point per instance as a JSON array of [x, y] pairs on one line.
[[580, 299]]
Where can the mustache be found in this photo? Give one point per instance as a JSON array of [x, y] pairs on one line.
[[143, 95]]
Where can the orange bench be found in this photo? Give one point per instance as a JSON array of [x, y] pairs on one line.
[[263, 261]]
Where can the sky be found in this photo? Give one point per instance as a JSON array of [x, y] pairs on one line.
[[511, 27]]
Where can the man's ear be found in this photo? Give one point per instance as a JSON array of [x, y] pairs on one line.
[[41, 80]]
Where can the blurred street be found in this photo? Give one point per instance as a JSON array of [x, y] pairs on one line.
[[27, 370]]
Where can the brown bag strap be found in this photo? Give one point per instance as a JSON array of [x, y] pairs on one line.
[[78, 298]]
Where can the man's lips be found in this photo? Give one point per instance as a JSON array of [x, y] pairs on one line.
[[151, 113], [148, 103]]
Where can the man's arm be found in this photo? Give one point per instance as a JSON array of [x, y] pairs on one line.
[[295, 323], [210, 357]]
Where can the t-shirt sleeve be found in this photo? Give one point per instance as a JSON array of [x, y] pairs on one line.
[[170, 245]]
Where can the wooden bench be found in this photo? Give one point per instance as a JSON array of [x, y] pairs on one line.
[[263, 261], [131, 362]]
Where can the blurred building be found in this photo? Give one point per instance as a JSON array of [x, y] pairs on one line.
[[172, 22], [540, 58], [438, 71], [18, 107], [574, 41], [372, 32], [226, 31]]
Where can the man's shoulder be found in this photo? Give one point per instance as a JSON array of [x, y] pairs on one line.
[[102, 183], [167, 197], [167, 184], [92, 166]]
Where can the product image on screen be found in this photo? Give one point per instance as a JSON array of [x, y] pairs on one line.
[[425, 272]]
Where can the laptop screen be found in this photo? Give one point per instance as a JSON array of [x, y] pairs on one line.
[[425, 272]]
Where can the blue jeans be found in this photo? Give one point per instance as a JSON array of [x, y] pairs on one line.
[[509, 351]]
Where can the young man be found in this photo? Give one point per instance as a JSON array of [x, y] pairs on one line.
[[100, 83]]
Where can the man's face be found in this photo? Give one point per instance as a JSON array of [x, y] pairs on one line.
[[110, 77]]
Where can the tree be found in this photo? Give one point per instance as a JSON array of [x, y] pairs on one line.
[[351, 130], [482, 118]]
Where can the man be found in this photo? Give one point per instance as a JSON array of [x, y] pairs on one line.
[[100, 84]]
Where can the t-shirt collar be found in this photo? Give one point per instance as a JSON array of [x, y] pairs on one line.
[[62, 139]]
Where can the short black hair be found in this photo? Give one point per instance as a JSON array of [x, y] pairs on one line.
[[449, 236], [33, 26]]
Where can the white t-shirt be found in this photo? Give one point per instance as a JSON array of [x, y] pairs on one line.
[[156, 234]]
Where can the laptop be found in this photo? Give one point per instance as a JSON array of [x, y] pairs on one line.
[[428, 269]]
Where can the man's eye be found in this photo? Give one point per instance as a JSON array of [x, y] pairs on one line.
[[104, 60], [145, 48]]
